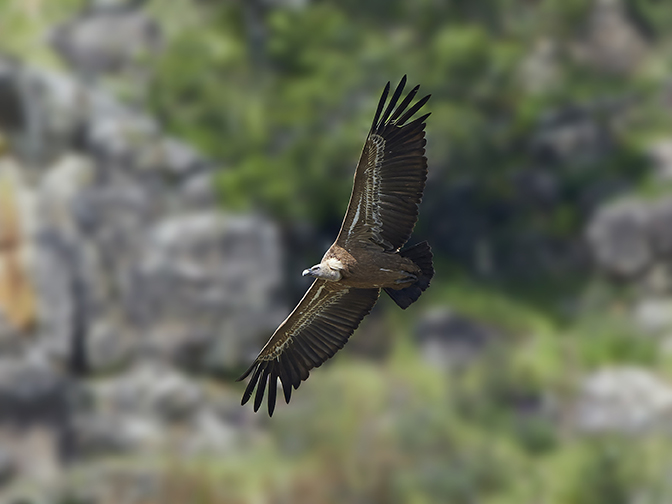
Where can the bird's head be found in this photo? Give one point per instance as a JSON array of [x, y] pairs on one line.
[[325, 271]]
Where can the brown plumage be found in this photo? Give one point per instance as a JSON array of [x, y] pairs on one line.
[[366, 257]]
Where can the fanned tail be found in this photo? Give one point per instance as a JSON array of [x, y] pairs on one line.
[[421, 255]]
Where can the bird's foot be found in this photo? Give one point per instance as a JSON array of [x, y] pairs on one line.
[[407, 278]]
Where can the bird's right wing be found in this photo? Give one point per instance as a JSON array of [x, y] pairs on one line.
[[318, 327]]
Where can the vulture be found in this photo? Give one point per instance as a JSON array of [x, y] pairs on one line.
[[365, 258]]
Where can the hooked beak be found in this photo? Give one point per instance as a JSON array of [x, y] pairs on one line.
[[307, 272]]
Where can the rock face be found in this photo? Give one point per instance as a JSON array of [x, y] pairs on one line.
[[572, 135], [632, 239], [226, 269], [627, 400], [36, 407], [104, 40], [137, 280], [619, 238], [127, 251], [660, 154], [610, 41], [449, 339], [136, 410], [653, 316]]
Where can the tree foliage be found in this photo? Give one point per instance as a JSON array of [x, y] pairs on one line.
[[281, 95]]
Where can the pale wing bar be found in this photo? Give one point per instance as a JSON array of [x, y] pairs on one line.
[[317, 328]]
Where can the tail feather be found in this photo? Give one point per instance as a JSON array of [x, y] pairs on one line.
[[421, 255]]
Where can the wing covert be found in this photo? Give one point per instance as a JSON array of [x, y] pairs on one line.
[[318, 327]]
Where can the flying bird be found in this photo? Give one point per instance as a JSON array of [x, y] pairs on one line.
[[365, 258]]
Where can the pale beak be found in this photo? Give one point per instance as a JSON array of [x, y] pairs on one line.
[[306, 272]]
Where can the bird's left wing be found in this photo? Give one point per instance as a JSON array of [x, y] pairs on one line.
[[390, 176], [318, 327]]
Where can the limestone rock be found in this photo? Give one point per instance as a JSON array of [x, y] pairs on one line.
[[220, 273], [106, 40], [619, 238], [611, 42], [660, 226], [660, 154], [622, 399], [446, 338], [654, 315]]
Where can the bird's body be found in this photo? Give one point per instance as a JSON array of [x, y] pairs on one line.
[[371, 267], [365, 258]]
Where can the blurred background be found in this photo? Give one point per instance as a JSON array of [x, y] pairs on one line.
[[168, 168]]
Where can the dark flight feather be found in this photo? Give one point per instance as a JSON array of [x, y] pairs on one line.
[[333, 313]]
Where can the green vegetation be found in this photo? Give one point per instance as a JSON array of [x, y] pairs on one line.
[[24, 26], [281, 98], [405, 432]]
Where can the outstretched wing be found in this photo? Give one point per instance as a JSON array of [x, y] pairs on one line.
[[390, 175], [318, 327]]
